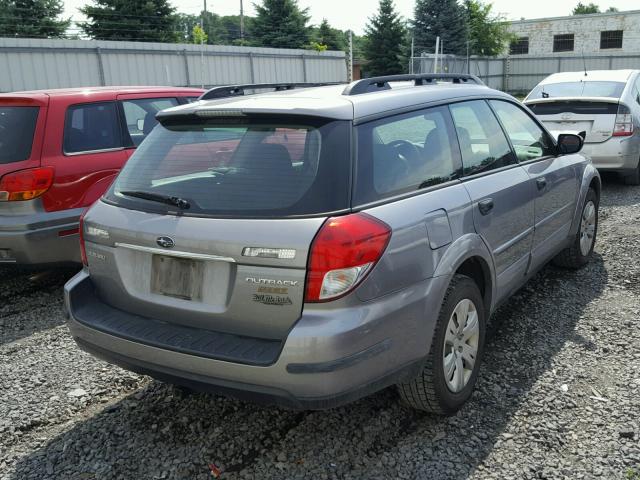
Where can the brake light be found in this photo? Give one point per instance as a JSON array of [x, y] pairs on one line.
[[83, 250], [25, 184], [624, 122], [343, 253]]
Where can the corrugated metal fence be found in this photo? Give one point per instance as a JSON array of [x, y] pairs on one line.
[[519, 74], [27, 64]]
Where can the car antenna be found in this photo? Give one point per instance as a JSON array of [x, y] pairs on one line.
[[584, 62]]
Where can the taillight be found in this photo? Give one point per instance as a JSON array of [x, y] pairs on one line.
[[624, 122], [83, 250], [343, 252], [25, 184]]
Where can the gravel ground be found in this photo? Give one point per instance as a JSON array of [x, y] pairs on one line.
[[558, 396]]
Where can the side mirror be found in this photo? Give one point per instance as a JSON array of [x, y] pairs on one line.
[[569, 143], [140, 124]]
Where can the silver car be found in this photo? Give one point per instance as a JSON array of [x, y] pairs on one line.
[[604, 107], [309, 246]]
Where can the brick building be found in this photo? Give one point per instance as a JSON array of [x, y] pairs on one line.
[[617, 33]]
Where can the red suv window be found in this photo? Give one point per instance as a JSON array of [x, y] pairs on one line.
[[91, 127]]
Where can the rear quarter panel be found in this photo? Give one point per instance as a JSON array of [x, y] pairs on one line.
[[412, 256]]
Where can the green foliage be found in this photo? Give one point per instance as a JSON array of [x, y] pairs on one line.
[[32, 18], [384, 45], [488, 33], [135, 20], [443, 18], [198, 35], [582, 9], [330, 37], [632, 474], [280, 24], [612, 9], [318, 47]]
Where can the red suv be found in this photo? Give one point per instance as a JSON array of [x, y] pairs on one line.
[[59, 151]]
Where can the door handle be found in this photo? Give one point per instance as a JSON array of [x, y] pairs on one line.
[[485, 205], [541, 183]]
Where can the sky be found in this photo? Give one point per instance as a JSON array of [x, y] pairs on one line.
[[353, 14]]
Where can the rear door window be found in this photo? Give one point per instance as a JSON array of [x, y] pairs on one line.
[[528, 139], [91, 127], [482, 142], [405, 153], [17, 127], [140, 115], [241, 167]]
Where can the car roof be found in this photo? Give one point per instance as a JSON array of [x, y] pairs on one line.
[[591, 76], [330, 102], [54, 92]]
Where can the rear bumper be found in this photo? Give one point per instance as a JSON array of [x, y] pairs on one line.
[[616, 154], [35, 239], [330, 357]]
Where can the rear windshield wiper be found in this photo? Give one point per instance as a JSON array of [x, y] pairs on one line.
[[181, 203]]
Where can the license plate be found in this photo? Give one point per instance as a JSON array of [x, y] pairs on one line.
[[176, 277]]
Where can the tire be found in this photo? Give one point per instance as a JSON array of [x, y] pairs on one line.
[[634, 178], [575, 256], [430, 391]]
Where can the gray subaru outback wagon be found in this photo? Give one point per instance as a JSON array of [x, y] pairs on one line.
[[308, 246]]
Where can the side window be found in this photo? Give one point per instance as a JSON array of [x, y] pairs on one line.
[[404, 153], [528, 139], [482, 141], [638, 90], [140, 115], [92, 126]]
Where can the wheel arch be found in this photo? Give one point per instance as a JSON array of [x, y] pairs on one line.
[[469, 256], [590, 179]]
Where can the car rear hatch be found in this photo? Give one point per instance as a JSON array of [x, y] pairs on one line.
[[210, 222], [22, 120], [596, 117]]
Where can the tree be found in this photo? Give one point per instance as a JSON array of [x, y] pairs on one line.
[[385, 36], [32, 18], [198, 35], [488, 33], [137, 20], [582, 9], [440, 18], [330, 37], [280, 24], [613, 9]]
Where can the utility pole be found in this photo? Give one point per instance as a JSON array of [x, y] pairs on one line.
[[204, 13], [350, 72], [241, 23], [435, 58], [411, 61]]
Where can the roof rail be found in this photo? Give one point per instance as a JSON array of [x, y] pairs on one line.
[[375, 84], [239, 90]]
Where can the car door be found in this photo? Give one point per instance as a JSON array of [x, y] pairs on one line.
[[85, 146], [500, 189], [554, 179]]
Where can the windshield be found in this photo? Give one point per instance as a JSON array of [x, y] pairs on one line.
[[17, 126], [238, 167], [578, 89]]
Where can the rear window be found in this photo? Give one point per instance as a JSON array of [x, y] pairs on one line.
[[578, 89], [579, 107], [17, 126], [240, 167]]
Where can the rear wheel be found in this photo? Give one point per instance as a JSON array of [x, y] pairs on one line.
[[634, 178], [581, 250], [451, 369]]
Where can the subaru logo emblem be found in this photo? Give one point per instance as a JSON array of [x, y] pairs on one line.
[[165, 242]]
